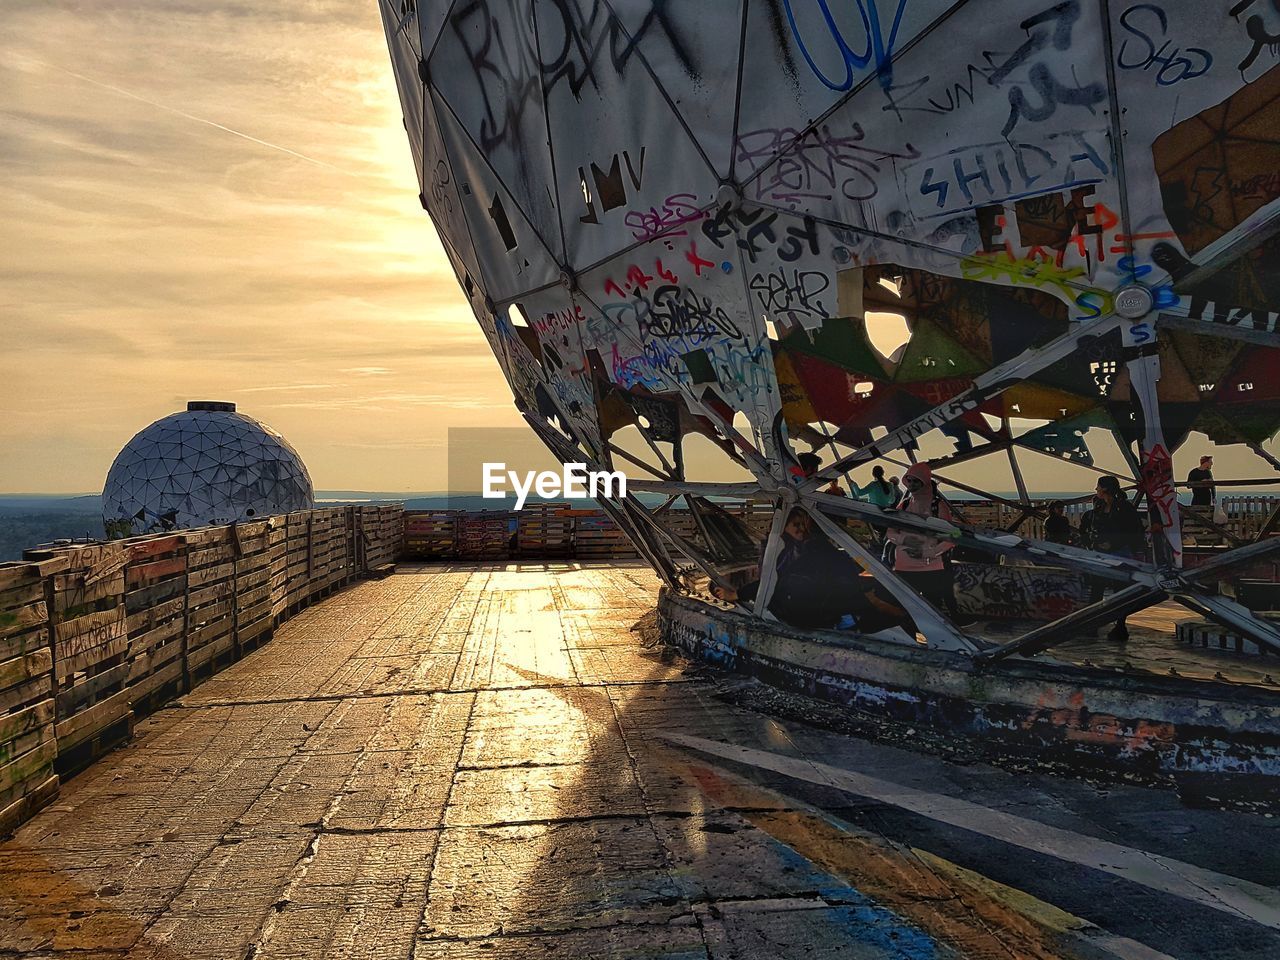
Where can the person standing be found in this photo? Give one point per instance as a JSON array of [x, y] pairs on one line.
[[1115, 528], [922, 560], [1202, 476]]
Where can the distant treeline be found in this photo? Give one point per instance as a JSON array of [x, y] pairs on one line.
[[21, 531]]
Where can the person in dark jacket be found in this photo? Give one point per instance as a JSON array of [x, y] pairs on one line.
[[1086, 523], [1115, 528], [1202, 477], [818, 585], [1057, 528]]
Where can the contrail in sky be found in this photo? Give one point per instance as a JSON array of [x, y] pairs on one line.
[[190, 116]]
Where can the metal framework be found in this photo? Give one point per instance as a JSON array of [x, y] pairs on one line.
[[667, 237]]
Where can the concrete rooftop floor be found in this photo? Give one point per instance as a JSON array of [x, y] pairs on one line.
[[484, 761]]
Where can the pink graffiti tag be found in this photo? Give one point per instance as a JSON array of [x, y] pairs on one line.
[[679, 209], [1157, 480]]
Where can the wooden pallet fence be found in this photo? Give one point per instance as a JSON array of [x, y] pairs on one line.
[[390, 532], [28, 746], [211, 584], [545, 531], [431, 534], [90, 637], [155, 602], [598, 538], [278, 565], [254, 620], [485, 535], [330, 552], [353, 549], [298, 558], [318, 569], [380, 532]]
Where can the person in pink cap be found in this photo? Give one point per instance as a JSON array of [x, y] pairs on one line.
[[921, 560]]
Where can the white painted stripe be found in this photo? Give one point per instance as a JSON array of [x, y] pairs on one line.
[[1218, 891], [1122, 948]]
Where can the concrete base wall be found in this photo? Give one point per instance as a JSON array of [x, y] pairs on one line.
[[1085, 716]]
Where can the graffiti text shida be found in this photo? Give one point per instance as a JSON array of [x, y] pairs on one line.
[[574, 482]]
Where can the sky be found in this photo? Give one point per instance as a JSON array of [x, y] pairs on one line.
[[216, 200], [153, 255]]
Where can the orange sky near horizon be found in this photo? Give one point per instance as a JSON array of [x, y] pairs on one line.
[[216, 200]]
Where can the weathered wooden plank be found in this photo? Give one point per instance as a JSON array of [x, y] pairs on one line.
[[162, 675], [106, 565], [19, 619], [155, 570], [153, 616], [222, 571], [253, 630], [18, 644], [147, 663], [71, 593], [204, 596], [18, 670], [138, 602], [21, 592], [29, 691], [21, 722], [210, 556], [25, 807], [254, 561], [206, 537], [197, 658], [249, 598], [64, 667], [142, 550], [26, 742], [17, 774], [209, 633], [15, 574], [71, 699], [103, 623], [93, 720], [143, 644]]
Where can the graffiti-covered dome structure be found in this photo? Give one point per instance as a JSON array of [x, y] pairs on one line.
[[683, 220], [207, 464]]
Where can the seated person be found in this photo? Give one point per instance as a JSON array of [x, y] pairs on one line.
[[1057, 528], [818, 586]]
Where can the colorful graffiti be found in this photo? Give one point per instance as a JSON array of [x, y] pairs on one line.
[[708, 209]]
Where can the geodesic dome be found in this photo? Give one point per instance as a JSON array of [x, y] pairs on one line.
[[680, 219], [205, 465]]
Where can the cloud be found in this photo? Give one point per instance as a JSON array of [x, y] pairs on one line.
[[217, 198]]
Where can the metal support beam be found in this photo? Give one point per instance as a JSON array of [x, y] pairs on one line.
[[769, 563], [1216, 567], [990, 384], [617, 451], [1231, 614], [745, 490], [1086, 561], [703, 562], [1256, 229], [1120, 604], [938, 631]]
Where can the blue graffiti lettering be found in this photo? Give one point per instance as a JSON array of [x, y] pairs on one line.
[[876, 47]]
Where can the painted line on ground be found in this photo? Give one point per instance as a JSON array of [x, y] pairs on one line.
[[1240, 898]]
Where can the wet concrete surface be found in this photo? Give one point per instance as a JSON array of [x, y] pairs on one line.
[[487, 761]]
